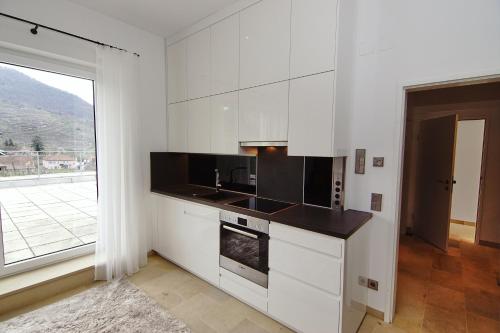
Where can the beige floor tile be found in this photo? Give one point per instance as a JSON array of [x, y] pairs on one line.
[[48, 238], [14, 245]]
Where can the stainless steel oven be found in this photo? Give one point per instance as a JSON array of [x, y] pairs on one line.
[[244, 246]]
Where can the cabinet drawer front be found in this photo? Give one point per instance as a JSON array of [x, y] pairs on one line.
[[312, 240], [311, 267], [302, 307], [201, 212], [244, 289]]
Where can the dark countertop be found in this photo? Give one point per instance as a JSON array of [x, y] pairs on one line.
[[321, 220]]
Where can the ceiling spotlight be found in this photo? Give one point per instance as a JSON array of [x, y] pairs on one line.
[[34, 30]]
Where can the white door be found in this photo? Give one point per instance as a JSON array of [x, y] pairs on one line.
[[199, 125], [177, 127], [224, 123], [313, 28], [265, 43], [198, 64], [176, 72], [263, 113], [311, 115], [225, 55]]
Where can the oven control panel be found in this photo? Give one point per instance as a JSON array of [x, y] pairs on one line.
[[249, 222]]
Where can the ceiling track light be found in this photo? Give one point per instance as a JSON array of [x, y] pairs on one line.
[[34, 30]]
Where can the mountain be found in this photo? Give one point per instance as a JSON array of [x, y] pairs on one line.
[[29, 108]]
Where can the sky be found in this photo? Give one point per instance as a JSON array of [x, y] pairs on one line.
[[80, 87]]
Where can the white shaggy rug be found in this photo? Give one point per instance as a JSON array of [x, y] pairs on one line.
[[113, 307]]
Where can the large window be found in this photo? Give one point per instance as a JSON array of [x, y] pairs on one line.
[[48, 193]]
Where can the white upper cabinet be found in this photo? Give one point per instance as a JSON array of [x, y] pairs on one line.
[[177, 127], [263, 113], [225, 55], [199, 125], [311, 115], [265, 43], [176, 72], [313, 27], [224, 123], [198, 64]]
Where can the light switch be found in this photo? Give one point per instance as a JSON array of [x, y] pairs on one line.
[[359, 166], [376, 202]]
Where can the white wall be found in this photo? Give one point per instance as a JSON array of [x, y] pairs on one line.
[[395, 43], [467, 173], [81, 21]]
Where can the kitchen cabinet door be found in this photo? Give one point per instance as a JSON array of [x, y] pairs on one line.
[[198, 64], [169, 234], [313, 32], [201, 242], [177, 72], [225, 53], [311, 115], [177, 117], [224, 123], [303, 307], [199, 126], [265, 43], [263, 113]]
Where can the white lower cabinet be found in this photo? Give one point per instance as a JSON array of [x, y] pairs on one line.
[[188, 234], [313, 278], [245, 290], [302, 307]]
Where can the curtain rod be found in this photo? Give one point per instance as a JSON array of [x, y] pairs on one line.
[[34, 31]]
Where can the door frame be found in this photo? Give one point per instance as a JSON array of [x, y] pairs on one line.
[[403, 87]]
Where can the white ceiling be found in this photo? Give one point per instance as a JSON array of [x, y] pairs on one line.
[[162, 17]]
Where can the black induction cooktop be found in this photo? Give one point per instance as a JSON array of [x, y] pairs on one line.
[[262, 205]]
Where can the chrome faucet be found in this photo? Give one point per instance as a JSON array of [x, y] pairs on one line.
[[217, 181]]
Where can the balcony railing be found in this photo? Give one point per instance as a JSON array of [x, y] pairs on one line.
[[39, 164]]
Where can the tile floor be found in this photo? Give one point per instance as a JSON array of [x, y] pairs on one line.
[[438, 292], [43, 219]]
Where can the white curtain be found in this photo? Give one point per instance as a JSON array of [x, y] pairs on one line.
[[121, 246]]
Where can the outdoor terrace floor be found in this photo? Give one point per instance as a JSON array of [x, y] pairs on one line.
[[43, 219]]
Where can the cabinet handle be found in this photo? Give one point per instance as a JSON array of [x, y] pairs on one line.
[[241, 232], [206, 216]]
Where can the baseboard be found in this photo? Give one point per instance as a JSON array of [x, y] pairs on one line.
[[152, 253], [490, 244], [471, 224], [375, 313]]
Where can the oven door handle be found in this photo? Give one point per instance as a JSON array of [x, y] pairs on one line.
[[241, 232]]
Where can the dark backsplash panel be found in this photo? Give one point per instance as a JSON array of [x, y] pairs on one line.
[[280, 176], [168, 169], [237, 173], [318, 181]]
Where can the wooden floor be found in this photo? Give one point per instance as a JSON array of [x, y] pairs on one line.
[[453, 292]]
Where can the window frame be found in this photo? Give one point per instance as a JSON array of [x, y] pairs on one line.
[[59, 65]]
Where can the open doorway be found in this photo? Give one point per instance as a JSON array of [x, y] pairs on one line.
[[467, 180], [449, 247]]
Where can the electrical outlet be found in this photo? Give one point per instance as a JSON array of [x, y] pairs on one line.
[[362, 281], [373, 284], [378, 162]]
